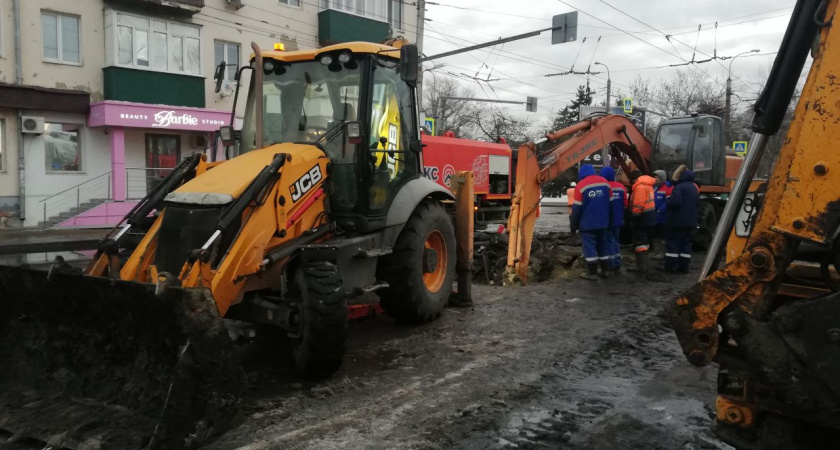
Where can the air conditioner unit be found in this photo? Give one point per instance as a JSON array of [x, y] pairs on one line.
[[235, 3], [32, 125], [199, 141]]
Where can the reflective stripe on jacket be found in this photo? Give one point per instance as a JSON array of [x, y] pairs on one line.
[[591, 208]]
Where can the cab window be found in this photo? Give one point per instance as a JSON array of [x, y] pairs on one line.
[[391, 130], [703, 144], [672, 142]]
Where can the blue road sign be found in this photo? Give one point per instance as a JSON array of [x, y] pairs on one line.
[[740, 147], [628, 105], [429, 124]]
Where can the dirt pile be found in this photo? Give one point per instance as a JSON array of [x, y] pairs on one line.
[[553, 255]]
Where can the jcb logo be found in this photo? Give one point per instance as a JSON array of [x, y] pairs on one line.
[[305, 183]]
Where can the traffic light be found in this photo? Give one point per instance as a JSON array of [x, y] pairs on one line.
[[531, 104]]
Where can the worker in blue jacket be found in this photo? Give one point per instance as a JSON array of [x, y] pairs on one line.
[[682, 207], [661, 191], [618, 203], [591, 215]]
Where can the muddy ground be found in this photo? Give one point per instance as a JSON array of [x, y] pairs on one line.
[[564, 364]]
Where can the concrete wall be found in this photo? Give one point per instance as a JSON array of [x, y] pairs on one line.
[[40, 184]]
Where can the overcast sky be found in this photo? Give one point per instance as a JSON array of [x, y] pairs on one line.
[[629, 47]]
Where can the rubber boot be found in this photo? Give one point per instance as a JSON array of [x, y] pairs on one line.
[[639, 265], [617, 270], [658, 253], [604, 266], [591, 272]]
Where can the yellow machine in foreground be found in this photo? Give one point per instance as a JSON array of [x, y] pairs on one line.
[[322, 202], [771, 316]]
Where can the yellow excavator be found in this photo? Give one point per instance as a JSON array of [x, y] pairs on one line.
[[321, 201], [770, 316]]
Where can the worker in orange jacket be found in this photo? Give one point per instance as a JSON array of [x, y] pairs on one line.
[[643, 211]]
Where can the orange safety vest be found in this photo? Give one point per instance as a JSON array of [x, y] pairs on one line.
[[643, 198]]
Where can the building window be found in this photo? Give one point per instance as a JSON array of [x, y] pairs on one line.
[[291, 2], [395, 14], [60, 33], [228, 53], [63, 147], [372, 9], [159, 45]]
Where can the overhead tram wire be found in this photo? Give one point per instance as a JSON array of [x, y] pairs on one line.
[[637, 38], [532, 61], [669, 37], [259, 31]]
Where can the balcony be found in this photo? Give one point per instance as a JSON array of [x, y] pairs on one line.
[[180, 7], [146, 86], [336, 26]]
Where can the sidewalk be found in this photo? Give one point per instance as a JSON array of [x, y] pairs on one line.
[[35, 240]]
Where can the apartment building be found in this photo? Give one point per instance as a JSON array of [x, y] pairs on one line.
[[100, 98]]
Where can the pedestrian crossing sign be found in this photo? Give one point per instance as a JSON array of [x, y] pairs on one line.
[[740, 147], [429, 124], [628, 105]]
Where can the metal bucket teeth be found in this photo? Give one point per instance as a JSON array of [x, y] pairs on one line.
[[89, 362]]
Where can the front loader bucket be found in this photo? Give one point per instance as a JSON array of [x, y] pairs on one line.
[[87, 362]]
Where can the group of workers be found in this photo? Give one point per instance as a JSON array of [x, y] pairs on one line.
[[658, 208]]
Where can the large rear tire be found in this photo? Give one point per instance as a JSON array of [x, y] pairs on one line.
[[319, 350], [421, 270]]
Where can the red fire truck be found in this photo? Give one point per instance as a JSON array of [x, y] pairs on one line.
[[443, 156]]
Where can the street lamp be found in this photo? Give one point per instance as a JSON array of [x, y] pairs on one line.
[[727, 125], [607, 109]]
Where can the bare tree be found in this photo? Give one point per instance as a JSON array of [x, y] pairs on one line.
[[450, 115]]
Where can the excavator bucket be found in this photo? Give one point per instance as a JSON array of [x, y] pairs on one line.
[[90, 362], [523, 215]]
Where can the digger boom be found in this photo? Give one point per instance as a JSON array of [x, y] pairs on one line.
[[533, 170]]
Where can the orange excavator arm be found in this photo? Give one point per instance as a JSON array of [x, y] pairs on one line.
[[532, 171]]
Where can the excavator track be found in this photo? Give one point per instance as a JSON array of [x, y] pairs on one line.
[[94, 363]]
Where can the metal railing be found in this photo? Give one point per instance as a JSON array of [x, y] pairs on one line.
[[139, 181], [98, 187]]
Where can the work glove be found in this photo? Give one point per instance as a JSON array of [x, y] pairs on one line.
[[574, 230]]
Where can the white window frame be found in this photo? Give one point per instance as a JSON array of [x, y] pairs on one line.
[[80, 141], [339, 5], [58, 16], [287, 4], [401, 19], [225, 45], [114, 36]]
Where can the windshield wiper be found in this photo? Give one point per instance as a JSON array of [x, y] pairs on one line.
[[331, 132]]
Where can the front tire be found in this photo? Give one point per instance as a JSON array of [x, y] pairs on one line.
[[319, 350], [421, 270], [708, 220]]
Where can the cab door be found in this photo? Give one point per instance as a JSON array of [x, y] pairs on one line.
[[390, 160]]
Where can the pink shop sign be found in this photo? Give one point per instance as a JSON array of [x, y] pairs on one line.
[[134, 115]]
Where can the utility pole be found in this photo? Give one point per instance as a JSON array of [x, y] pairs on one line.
[[609, 82], [727, 110]]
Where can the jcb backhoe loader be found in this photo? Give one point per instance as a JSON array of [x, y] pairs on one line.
[[696, 140], [322, 201], [770, 317]]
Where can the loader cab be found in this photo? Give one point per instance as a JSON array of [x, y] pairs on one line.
[[696, 141], [357, 103]]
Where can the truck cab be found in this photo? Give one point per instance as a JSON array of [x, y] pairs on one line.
[[696, 141]]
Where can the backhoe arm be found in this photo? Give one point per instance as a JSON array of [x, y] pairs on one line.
[[777, 351], [584, 138]]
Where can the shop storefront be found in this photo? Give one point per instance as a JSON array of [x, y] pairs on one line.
[[145, 143]]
